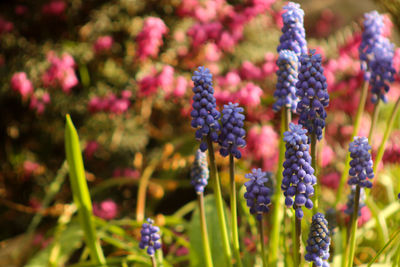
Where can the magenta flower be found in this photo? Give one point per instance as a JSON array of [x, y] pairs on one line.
[[39, 101], [54, 8], [249, 95], [103, 44], [106, 209], [150, 38], [21, 84]]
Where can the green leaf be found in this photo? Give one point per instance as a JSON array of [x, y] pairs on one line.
[[394, 236], [214, 234], [80, 191]]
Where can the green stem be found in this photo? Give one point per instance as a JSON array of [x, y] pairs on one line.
[[277, 211], [261, 231], [219, 202], [375, 114], [234, 221], [357, 123], [204, 234], [397, 257], [153, 261], [386, 135], [297, 246], [314, 166], [354, 222]]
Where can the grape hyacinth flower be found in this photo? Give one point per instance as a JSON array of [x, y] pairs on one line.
[[150, 237], [204, 114], [361, 163], [293, 34], [382, 70], [313, 94], [199, 172], [285, 93], [232, 132], [350, 201], [318, 241], [373, 26], [258, 195], [298, 175]]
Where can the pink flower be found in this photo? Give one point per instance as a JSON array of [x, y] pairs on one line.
[[331, 180], [249, 96], [103, 44], [212, 52], [119, 105], [20, 10], [166, 79], [249, 71], [126, 172], [180, 87], [327, 156], [5, 26], [106, 209], [232, 78], [21, 84], [90, 149], [148, 86], [39, 102], [54, 8], [150, 38]]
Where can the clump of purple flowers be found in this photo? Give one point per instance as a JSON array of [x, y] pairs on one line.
[[285, 93], [150, 237], [232, 132], [204, 114], [350, 201], [258, 195], [382, 70], [199, 172], [361, 163], [313, 94], [298, 175], [293, 34], [318, 241]]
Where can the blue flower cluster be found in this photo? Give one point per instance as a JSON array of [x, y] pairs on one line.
[[361, 163], [199, 172], [382, 70], [373, 26], [232, 132], [318, 241], [204, 114], [314, 97], [298, 175], [293, 34], [350, 201], [258, 195], [285, 93], [150, 237]]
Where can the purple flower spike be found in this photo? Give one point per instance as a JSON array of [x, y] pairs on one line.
[[382, 70], [232, 132], [318, 241], [350, 201], [293, 34], [373, 26], [314, 97], [298, 175], [150, 237], [258, 195], [361, 163], [199, 172], [285, 93], [204, 114]]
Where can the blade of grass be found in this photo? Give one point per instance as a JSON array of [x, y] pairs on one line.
[[80, 191], [394, 236]]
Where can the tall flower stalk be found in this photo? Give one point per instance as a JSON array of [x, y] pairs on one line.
[[230, 139], [200, 174], [205, 119], [258, 198], [360, 171]]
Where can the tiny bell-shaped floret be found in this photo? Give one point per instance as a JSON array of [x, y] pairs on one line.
[[150, 237]]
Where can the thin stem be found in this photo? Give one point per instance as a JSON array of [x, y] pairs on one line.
[[357, 123], [375, 114], [314, 166], [141, 198], [386, 135], [354, 222], [261, 231], [204, 233], [234, 221], [219, 202], [277, 211], [297, 247], [153, 261]]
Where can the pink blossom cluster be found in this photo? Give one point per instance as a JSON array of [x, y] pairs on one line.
[[150, 38], [54, 8], [39, 101], [106, 209], [126, 172], [171, 86], [5, 26], [61, 72], [262, 145], [392, 152], [331, 180], [103, 44], [267, 68], [91, 148], [21, 84], [110, 103]]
